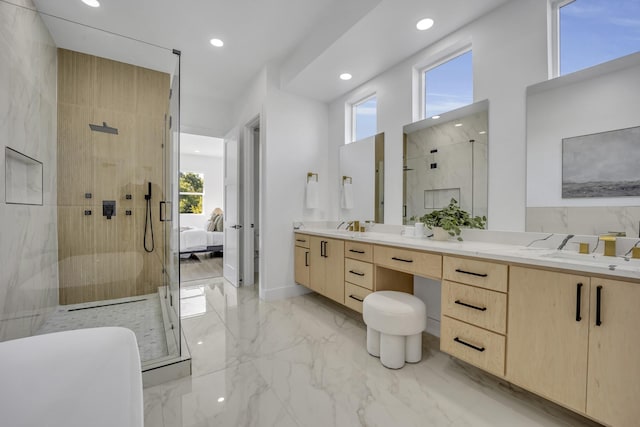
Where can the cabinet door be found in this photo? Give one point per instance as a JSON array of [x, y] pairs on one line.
[[317, 275], [546, 344], [301, 272], [614, 353], [334, 273]]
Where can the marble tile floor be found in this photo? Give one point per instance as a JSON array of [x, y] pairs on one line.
[[303, 362], [200, 266], [142, 314]]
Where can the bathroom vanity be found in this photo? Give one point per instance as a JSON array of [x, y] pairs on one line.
[[555, 323]]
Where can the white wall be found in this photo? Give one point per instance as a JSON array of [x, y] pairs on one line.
[[357, 160], [600, 99], [28, 233], [509, 54], [211, 167]]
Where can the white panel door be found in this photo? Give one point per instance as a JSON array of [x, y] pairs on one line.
[[232, 225]]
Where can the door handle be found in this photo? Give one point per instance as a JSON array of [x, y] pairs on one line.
[[598, 305], [578, 301], [237, 226], [162, 211], [306, 259]]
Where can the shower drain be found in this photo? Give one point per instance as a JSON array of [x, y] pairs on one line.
[[106, 305]]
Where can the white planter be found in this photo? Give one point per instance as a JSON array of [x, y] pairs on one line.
[[440, 233]]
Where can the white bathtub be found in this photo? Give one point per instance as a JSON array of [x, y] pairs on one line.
[[88, 377]]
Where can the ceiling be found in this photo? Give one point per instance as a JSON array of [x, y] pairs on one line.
[[312, 41], [198, 145]]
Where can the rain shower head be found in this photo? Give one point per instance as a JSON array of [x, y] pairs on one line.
[[104, 128]]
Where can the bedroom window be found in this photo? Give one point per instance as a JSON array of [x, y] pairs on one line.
[[448, 85], [191, 192], [590, 32]]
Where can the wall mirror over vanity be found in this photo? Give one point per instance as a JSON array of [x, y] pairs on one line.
[[445, 157]]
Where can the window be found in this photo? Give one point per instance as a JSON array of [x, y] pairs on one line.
[[448, 86], [590, 32], [191, 192], [364, 118]]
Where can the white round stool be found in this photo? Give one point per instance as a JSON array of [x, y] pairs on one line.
[[395, 321]]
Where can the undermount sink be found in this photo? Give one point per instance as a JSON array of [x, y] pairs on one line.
[[598, 259]]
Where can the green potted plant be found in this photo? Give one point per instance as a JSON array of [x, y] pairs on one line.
[[451, 219]]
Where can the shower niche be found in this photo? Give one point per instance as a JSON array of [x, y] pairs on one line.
[[23, 178]]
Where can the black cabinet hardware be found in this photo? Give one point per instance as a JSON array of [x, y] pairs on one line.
[[323, 248], [459, 341], [355, 298], [598, 305], [163, 207], [128, 197], [87, 195], [127, 212], [471, 273], [578, 301], [471, 306], [87, 212], [306, 259], [355, 251], [356, 273], [401, 259], [300, 240]]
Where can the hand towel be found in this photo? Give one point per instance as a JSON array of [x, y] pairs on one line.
[[347, 196], [313, 195]]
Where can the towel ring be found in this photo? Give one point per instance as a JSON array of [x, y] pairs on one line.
[[310, 176], [346, 179]]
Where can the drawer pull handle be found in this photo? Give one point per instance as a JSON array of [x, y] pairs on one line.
[[356, 273], [356, 298], [356, 251], [578, 301], [458, 340], [598, 305], [470, 306], [471, 273], [401, 259], [300, 240], [306, 259]]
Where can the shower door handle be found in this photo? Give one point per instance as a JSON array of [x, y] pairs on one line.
[[163, 208]]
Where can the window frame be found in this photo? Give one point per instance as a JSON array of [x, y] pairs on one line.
[[442, 60], [188, 193], [554, 35], [353, 115]]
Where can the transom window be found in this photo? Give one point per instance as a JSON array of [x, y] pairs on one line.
[[364, 118], [191, 192], [590, 32], [448, 86]]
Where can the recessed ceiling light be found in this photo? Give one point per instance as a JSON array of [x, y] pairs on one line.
[[196, 151], [424, 24], [220, 399], [217, 42], [435, 117], [199, 342], [482, 132], [458, 125], [92, 3], [345, 76]]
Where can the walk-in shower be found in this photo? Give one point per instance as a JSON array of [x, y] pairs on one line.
[[101, 248]]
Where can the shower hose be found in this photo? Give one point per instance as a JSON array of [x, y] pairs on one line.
[[148, 224]]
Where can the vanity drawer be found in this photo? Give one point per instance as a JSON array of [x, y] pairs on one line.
[[354, 295], [484, 274], [481, 307], [477, 346], [359, 273], [301, 240], [415, 262], [360, 251]]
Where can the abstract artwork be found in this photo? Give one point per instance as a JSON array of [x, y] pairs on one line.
[[605, 164]]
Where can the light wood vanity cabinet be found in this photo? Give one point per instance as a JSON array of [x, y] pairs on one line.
[[548, 334], [358, 274], [301, 259], [474, 315], [408, 260], [326, 275], [613, 375]]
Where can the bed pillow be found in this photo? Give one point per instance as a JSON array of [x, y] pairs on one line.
[[211, 223], [218, 223]]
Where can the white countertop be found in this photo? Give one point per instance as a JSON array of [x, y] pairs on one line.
[[618, 267]]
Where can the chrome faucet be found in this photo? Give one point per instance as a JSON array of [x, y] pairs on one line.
[[565, 241]]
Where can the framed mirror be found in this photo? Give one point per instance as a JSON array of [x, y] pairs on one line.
[[362, 180], [445, 157]]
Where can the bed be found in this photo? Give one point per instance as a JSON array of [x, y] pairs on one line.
[[198, 240]]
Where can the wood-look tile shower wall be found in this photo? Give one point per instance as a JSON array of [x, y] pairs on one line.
[[102, 258]]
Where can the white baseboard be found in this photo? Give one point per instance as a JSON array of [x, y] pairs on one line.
[[433, 326], [283, 292]]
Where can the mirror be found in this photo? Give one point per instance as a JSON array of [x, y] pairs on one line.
[[446, 158], [362, 180], [582, 131]]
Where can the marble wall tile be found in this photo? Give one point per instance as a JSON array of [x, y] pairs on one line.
[[547, 220], [591, 220], [28, 247]]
